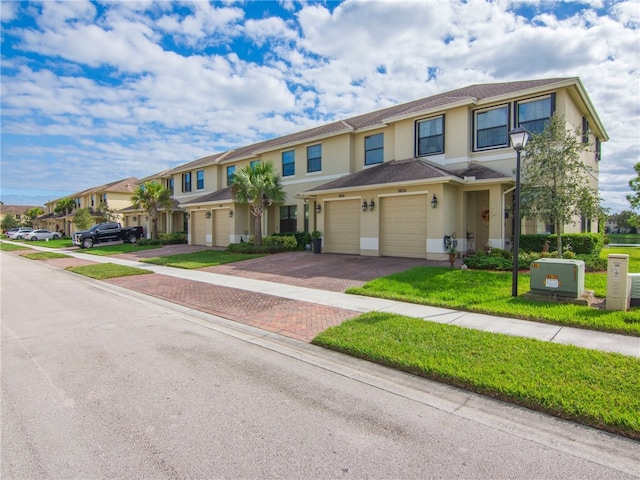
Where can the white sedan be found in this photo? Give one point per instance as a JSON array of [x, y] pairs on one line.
[[41, 235]]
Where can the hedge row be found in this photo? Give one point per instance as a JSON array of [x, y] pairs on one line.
[[578, 243]]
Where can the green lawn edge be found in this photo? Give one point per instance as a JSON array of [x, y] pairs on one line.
[[590, 387], [103, 271], [201, 259]]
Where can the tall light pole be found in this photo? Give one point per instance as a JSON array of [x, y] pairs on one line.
[[519, 137]]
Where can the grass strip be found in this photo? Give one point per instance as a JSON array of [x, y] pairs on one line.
[[102, 271], [490, 292], [105, 251], [590, 387], [58, 243], [201, 259], [10, 247], [45, 255]]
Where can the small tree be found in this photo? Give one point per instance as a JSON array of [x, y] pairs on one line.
[[82, 218], [259, 186], [556, 185], [9, 221], [151, 197]]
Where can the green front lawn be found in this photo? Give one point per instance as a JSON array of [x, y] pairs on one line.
[[10, 247], [587, 386], [490, 292], [201, 259]]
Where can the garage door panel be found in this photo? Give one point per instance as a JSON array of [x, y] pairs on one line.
[[199, 226], [342, 227], [221, 228], [403, 226]]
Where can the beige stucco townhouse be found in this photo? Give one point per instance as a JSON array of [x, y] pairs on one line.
[[116, 195], [396, 181]]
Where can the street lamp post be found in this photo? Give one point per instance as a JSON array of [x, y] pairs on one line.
[[519, 137]]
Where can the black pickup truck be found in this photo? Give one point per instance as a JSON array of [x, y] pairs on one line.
[[107, 232]]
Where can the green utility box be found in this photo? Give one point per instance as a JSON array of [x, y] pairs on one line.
[[556, 276]]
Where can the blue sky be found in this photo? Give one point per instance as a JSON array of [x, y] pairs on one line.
[[93, 92]]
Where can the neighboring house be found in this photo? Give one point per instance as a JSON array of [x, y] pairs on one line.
[[116, 195], [17, 211], [396, 181]]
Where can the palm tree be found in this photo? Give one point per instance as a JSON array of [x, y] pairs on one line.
[[33, 213], [259, 186], [65, 206], [151, 197]]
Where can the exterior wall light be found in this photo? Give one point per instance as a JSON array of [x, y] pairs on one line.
[[187, 215], [519, 137], [364, 206], [230, 213], [372, 205], [207, 214], [318, 208], [135, 218], [434, 201], [146, 218]]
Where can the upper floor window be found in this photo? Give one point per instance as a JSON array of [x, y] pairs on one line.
[[585, 130], [186, 182], [288, 163], [200, 179], [103, 199], [533, 115], [254, 163], [231, 172], [374, 149], [314, 158], [170, 185], [491, 128], [598, 149], [430, 136], [93, 200]]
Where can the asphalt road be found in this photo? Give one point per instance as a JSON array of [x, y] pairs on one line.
[[99, 382]]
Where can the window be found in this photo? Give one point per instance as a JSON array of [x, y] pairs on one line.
[[492, 128], [103, 199], [254, 163], [374, 149], [200, 179], [430, 135], [93, 200], [314, 158], [598, 150], [231, 171], [288, 163], [585, 130], [170, 185], [535, 114], [288, 218], [186, 182]]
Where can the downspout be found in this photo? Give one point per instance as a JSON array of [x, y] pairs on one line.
[[504, 206]]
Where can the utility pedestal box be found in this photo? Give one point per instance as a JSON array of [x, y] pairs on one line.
[[634, 289], [618, 282], [557, 276]]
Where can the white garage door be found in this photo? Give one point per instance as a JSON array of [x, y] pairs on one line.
[[199, 229], [342, 227], [403, 226], [221, 228]]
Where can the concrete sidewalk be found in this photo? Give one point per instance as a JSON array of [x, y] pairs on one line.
[[233, 297]]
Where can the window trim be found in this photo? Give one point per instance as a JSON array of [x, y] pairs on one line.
[[186, 182], [516, 107], [231, 171], [199, 181], [476, 148], [417, 137], [292, 163], [366, 151], [319, 159]]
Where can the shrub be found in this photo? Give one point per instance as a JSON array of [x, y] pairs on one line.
[[286, 242], [249, 248], [302, 238], [173, 238], [593, 263], [147, 241], [579, 243]]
